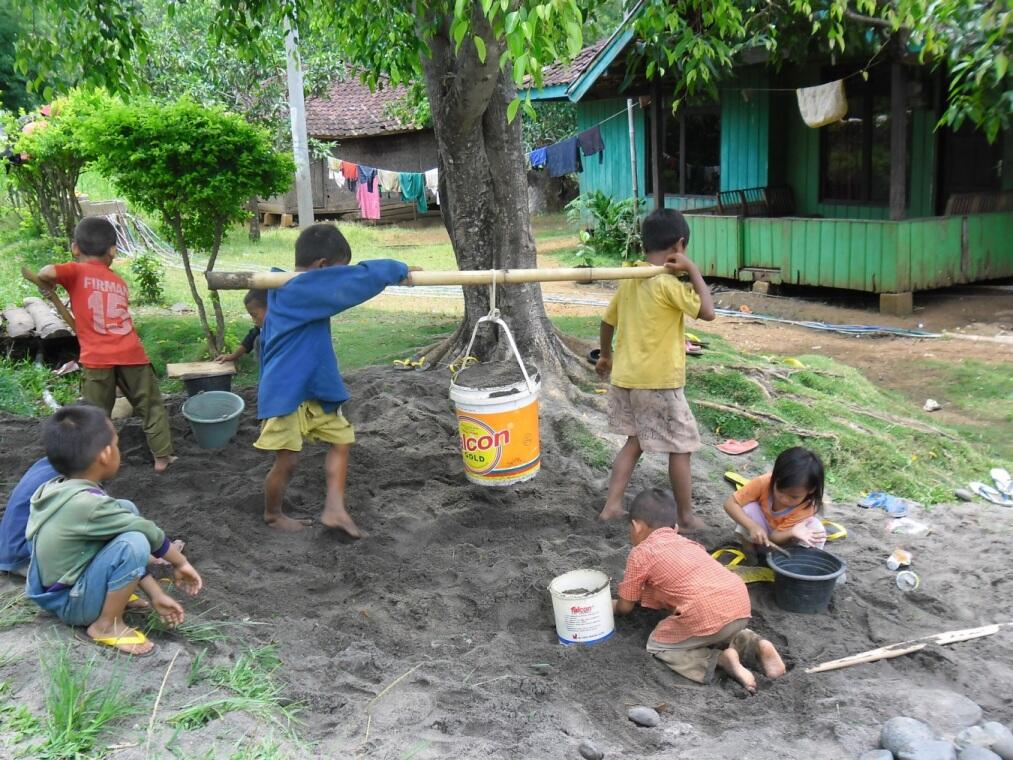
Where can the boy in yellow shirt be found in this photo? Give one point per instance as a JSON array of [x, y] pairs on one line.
[[646, 402]]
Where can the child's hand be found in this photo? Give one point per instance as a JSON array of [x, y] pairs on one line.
[[678, 263], [221, 358], [415, 269], [758, 535], [169, 610], [187, 578], [603, 367], [809, 536]]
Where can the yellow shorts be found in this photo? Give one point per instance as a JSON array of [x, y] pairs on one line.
[[307, 423]]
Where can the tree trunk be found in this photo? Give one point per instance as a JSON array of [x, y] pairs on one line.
[[176, 226], [254, 220], [483, 197]]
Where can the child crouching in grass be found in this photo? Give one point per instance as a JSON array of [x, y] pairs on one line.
[[90, 552], [709, 606]]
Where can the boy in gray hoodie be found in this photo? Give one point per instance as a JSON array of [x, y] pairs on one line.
[[90, 552]]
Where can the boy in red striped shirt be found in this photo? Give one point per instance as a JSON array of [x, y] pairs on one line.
[[708, 605]]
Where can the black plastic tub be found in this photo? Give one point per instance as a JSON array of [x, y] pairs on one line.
[[195, 385], [805, 580]]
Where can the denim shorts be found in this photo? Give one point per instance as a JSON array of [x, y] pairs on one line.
[[119, 563]]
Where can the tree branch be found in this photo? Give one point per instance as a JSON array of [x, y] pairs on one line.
[[867, 20]]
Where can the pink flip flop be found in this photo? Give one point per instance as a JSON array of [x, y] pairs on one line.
[[693, 349], [734, 447]]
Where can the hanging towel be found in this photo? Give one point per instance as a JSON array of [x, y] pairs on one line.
[[433, 183], [390, 182], [563, 158], [333, 164], [823, 104], [369, 200], [367, 174], [413, 188], [537, 157], [590, 143]]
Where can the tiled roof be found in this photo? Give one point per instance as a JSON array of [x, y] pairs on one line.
[[560, 73], [349, 109]]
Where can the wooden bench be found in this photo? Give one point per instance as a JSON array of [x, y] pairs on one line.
[[752, 202]]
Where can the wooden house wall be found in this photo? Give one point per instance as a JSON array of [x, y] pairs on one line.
[[613, 176], [745, 131]]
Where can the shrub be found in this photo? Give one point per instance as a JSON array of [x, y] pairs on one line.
[[148, 275], [613, 236]]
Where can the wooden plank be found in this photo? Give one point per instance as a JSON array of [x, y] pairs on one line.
[[185, 370]]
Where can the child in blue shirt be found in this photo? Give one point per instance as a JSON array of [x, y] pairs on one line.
[[301, 390], [15, 551]]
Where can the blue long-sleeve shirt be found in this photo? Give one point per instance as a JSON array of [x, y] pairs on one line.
[[15, 551], [297, 361]]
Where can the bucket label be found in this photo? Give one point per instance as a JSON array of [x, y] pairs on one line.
[[584, 621], [500, 447]]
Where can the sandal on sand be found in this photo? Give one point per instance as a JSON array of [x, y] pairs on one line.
[[734, 556], [736, 480], [115, 642], [750, 574], [1003, 481], [693, 349], [735, 447], [835, 531], [991, 494]]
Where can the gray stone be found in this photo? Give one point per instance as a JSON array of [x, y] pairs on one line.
[[974, 752], [928, 750], [590, 752], [901, 734], [644, 716], [876, 754], [1002, 743], [947, 711], [974, 736], [963, 494]]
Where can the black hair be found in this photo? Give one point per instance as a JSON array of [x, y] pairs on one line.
[[95, 235], [321, 241], [655, 507], [663, 228], [74, 436], [796, 467], [257, 296]]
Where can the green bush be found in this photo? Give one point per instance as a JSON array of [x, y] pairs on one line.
[[148, 275], [613, 236]]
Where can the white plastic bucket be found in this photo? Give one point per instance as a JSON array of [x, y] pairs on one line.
[[583, 616]]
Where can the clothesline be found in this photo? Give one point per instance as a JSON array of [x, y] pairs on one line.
[[367, 181]]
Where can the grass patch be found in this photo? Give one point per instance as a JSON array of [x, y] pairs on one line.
[[17, 723], [16, 609], [592, 449], [22, 384], [78, 711], [251, 686]]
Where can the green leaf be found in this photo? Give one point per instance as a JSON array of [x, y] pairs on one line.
[[1001, 63], [512, 109], [529, 109], [574, 38], [458, 31], [480, 48]]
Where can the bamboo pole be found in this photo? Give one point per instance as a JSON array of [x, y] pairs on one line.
[[247, 280]]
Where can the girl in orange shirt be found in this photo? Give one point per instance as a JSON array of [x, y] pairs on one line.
[[782, 507]]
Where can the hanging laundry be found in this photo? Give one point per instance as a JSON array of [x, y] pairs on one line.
[[367, 174], [369, 200], [823, 104], [590, 143], [413, 188], [563, 158], [390, 182], [433, 183], [537, 157], [350, 172]]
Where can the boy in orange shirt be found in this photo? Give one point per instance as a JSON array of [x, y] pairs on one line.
[[709, 606], [111, 351], [646, 401]]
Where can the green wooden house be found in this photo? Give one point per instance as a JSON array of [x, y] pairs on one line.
[[881, 201]]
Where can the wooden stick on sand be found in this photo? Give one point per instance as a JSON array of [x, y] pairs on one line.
[[907, 647], [247, 280]]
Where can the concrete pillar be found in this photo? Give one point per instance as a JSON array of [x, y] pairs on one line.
[[761, 286], [897, 304]]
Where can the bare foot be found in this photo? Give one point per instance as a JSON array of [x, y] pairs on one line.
[[339, 519], [770, 660], [177, 544], [284, 522], [121, 637], [138, 603], [162, 464], [691, 524], [729, 662], [611, 512]]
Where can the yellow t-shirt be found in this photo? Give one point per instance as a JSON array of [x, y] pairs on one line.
[[650, 348]]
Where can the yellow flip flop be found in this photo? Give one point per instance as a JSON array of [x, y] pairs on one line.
[[791, 361], [114, 642], [736, 480], [736, 555], [835, 531], [750, 574]]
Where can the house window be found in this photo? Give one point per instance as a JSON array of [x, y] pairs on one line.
[[691, 159], [855, 152]]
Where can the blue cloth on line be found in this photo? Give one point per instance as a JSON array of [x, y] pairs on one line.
[[297, 361], [413, 188], [367, 174], [15, 551], [537, 157], [563, 158]]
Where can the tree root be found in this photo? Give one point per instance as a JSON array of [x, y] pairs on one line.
[[902, 421], [764, 418]]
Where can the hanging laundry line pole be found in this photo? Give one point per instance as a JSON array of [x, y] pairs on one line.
[[269, 280], [633, 156]]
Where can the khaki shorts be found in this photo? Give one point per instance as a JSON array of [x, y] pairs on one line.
[[660, 419], [697, 658], [307, 423]]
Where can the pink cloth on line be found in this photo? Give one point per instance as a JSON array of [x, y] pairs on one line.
[[369, 202]]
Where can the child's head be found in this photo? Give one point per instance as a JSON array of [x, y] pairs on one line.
[[321, 245], [95, 237], [797, 479], [256, 306], [80, 439], [666, 231], [651, 509]]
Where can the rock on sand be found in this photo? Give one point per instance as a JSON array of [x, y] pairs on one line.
[[590, 752], [901, 735], [947, 711], [974, 752], [644, 716], [876, 754]]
